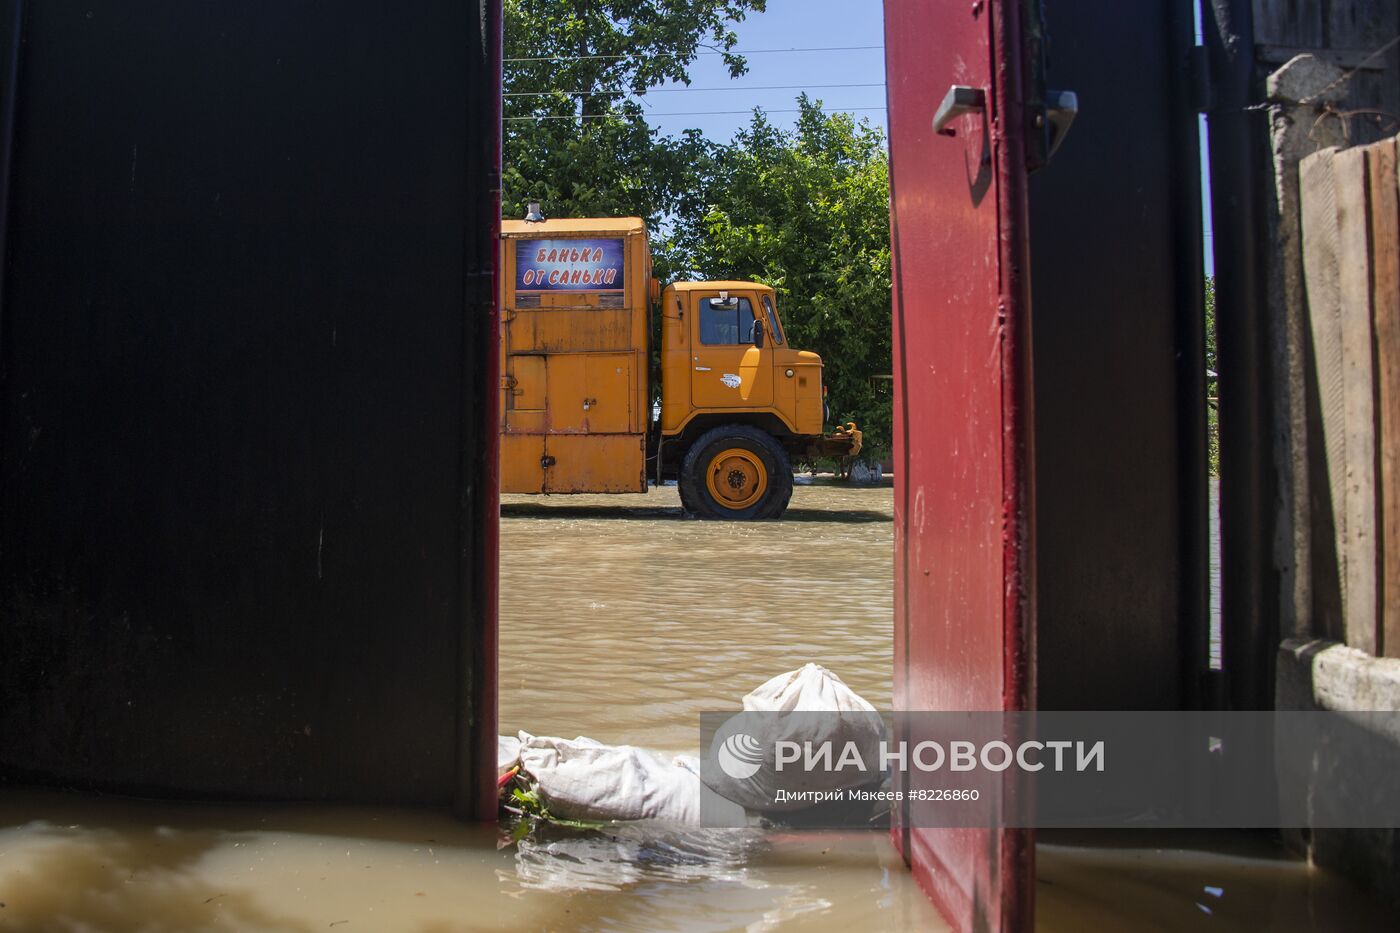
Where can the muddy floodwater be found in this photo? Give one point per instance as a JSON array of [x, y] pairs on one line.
[[621, 620]]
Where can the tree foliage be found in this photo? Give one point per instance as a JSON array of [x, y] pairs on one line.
[[1212, 382], [807, 212], [576, 138]]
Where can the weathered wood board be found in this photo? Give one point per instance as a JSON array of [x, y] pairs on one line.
[[1385, 307], [1340, 24], [1359, 555], [1336, 262], [1318, 207], [1349, 33], [1286, 22]]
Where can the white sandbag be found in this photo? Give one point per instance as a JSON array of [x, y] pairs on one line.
[[582, 779], [507, 754], [810, 688], [811, 707]]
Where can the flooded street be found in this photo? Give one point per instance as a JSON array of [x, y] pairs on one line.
[[623, 621], [93, 864]]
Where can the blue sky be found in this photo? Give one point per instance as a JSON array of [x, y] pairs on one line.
[[788, 24]]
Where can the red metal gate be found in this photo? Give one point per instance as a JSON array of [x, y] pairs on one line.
[[963, 614]]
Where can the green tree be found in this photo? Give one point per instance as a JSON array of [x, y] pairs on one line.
[[807, 212], [1212, 382], [576, 137]]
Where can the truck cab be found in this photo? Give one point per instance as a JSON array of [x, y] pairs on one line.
[[724, 351], [737, 401]]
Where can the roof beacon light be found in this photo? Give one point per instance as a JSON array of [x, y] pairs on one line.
[[534, 216]]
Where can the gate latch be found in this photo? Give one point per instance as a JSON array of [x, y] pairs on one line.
[[1061, 107], [546, 462], [958, 102]]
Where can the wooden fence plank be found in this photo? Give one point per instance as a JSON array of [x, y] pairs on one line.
[[1385, 306], [1318, 208], [1368, 25], [1336, 259], [1360, 24], [1286, 22], [1359, 560]]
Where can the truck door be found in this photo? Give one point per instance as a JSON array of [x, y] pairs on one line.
[[962, 617], [727, 370]]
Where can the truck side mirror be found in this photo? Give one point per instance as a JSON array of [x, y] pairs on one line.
[[757, 333]]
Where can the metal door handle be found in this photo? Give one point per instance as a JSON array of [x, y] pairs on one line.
[[959, 101], [1061, 107]]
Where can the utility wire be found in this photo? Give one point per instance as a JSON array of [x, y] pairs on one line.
[[1352, 73], [673, 90], [688, 113], [581, 58]]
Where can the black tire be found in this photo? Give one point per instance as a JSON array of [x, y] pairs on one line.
[[687, 504], [748, 448]]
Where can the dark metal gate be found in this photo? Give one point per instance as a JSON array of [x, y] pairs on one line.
[[247, 438]]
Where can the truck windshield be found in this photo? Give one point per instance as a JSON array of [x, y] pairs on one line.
[[774, 327], [726, 322]]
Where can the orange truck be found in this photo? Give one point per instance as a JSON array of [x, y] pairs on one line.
[[582, 411]]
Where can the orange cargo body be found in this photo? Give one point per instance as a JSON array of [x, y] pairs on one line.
[[574, 313]]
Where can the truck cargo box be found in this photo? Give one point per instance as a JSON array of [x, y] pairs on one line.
[[248, 431], [575, 303]]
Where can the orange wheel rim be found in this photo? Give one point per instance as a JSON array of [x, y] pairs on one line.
[[736, 478]]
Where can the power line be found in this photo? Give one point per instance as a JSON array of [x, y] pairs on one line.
[[1352, 73], [762, 87], [673, 90], [581, 58], [691, 113]]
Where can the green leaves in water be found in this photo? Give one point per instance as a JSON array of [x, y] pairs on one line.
[[530, 812]]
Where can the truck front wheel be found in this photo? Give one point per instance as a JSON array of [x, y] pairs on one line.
[[738, 473]]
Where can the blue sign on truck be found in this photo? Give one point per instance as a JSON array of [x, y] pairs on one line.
[[571, 265]]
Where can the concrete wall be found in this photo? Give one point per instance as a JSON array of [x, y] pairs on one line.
[[1320, 675]]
